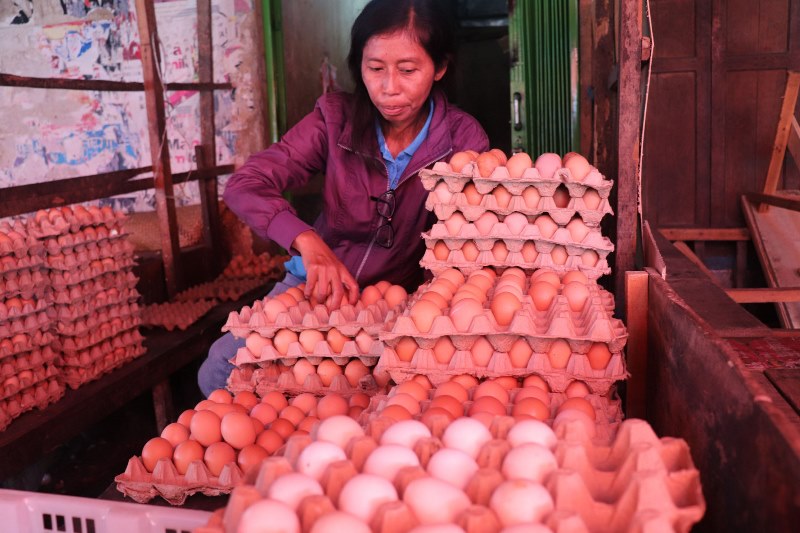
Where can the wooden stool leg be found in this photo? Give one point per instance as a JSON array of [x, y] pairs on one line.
[[162, 404], [636, 292]]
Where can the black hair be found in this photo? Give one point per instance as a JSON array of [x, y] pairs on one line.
[[428, 20]]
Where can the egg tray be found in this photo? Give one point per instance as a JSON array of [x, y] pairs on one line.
[[97, 340], [74, 377], [106, 354], [108, 245], [13, 364], [26, 379], [11, 267], [61, 221], [264, 379], [165, 481], [39, 396], [258, 265], [546, 205], [578, 368], [172, 315], [24, 342], [220, 289], [15, 240], [26, 284], [456, 181], [321, 352], [86, 236], [89, 303], [26, 324], [28, 307], [96, 267], [514, 259], [84, 281], [348, 319], [83, 326]]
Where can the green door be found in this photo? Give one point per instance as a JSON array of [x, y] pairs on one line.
[[543, 36]]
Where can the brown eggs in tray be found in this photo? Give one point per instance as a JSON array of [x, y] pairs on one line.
[[211, 448], [112, 318], [16, 307], [27, 283], [15, 240], [25, 379], [37, 396], [254, 266], [220, 289], [172, 315], [58, 221], [287, 346], [13, 364], [12, 267], [24, 342], [75, 376]]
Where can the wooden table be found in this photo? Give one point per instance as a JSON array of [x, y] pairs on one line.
[[39, 432]]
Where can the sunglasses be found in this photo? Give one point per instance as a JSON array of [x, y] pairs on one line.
[[385, 204]]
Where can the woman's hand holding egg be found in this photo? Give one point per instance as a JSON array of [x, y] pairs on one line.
[[327, 278]]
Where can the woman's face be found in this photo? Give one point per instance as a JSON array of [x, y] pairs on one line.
[[398, 74]]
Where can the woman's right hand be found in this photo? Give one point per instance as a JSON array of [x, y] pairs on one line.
[[327, 279]]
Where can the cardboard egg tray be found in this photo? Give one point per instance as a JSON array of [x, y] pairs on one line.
[[83, 281], [322, 351], [103, 339], [348, 319], [15, 240], [102, 319], [254, 266], [12, 267], [220, 289], [26, 324], [27, 283], [60, 221], [75, 376], [274, 377], [456, 181], [25, 379], [578, 368], [24, 342], [39, 396], [171, 315], [95, 267], [546, 205], [107, 244], [69, 307], [28, 306], [12, 364]]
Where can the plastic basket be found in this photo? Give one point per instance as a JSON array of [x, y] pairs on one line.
[[31, 512]]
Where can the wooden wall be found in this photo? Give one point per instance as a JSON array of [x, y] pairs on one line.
[[719, 71]]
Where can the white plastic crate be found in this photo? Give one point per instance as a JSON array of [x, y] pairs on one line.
[[31, 512]]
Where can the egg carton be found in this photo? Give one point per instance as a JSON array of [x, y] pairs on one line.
[[67, 280], [11, 365], [109, 245], [102, 320], [546, 205], [264, 379], [15, 240], [17, 308], [25, 284], [578, 368], [348, 319], [485, 259], [165, 481], [106, 353], [58, 221], [89, 303], [97, 339], [95, 267], [37, 397], [12, 266], [254, 266], [26, 379], [322, 351], [25, 324], [74, 376], [172, 315], [24, 342], [220, 289]]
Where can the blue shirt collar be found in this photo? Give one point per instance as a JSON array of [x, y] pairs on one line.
[[398, 165]]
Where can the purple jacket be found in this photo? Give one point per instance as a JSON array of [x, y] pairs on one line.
[[321, 142]]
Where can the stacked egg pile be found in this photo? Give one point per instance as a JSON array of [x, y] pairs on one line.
[[28, 372], [516, 475], [171, 315], [498, 212], [297, 345], [262, 266], [90, 266], [512, 324], [213, 446]]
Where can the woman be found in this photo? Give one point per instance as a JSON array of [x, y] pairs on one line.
[[370, 145]]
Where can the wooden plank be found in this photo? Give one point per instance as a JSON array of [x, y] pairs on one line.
[[781, 136], [629, 131], [585, 34], [778, 200], [787, 381], [741, 263], [162, 405], [636, 283], [11, 80], [760, 295], [652, 256], [705, 234], [159, 148], [775, 237], [793, 143], [690, 255]]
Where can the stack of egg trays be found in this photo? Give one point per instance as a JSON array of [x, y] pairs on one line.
[[594, 323], [97, 314], [29, 375], [608, 410], [171, 315], [224, 289], [263, 266]]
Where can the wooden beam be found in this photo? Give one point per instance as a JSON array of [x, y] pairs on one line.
[[629, 131], [636, 287], [690, 255], [793, 143], [764, 295], [31, 82], [705, 234], [159, 148], [774, 199], [781, 136], [585, 50]]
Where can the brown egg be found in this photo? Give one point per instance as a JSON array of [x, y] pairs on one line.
[[273, 308], [282, 427], [504, 307], [220, 396], [452, 388], [286, 299], [591, 199], [559, 354], [599, 355], [548, 275], [547, 164], [520, 353], [423, 313], [364, 341], [482, 352], [559, 255], [432, 414], [186, 417], [396, 413], [459, 160], [509, 383], [454, 223], [577, 389], [578, 166], [470, 250], [292, 414], [443, 350], [487, 162], [406, 348], [465, 380], [412, 388], [493, 389], [440, 251], [532, 392], [370, 295], [434, 297], [331, 405], [535, 380], [395, 295], [471, 290], [574, 276], [517, 164], [250, 457], [246, 399], [237, 430], [462, 314], [407, 401], [454, 407], [542, 293], [547, 227], [305, 401], [442, 192], [531, 197], [264, 412], [561, 197], [155, 449], [301, 370], [579, 404], [335, 340], [309, 338], [270, 440], [308, 423], [576, 294], [590, 258], [471, 194], [275, 399], [487, 404], [500, 251], [502, 196], [486, 222], [354, 371], [205, 427], [283, 338], [185, 454], [531, 407], [175, 433], [480, 280], [296, 293], [423, 380], [360, 399], [217, 456], [327, 370]]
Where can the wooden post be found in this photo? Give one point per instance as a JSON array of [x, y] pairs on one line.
[[629, 130], [206, 153], [586, 25], [781, 136], [162, 404], [159, 148], [636, 287]]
